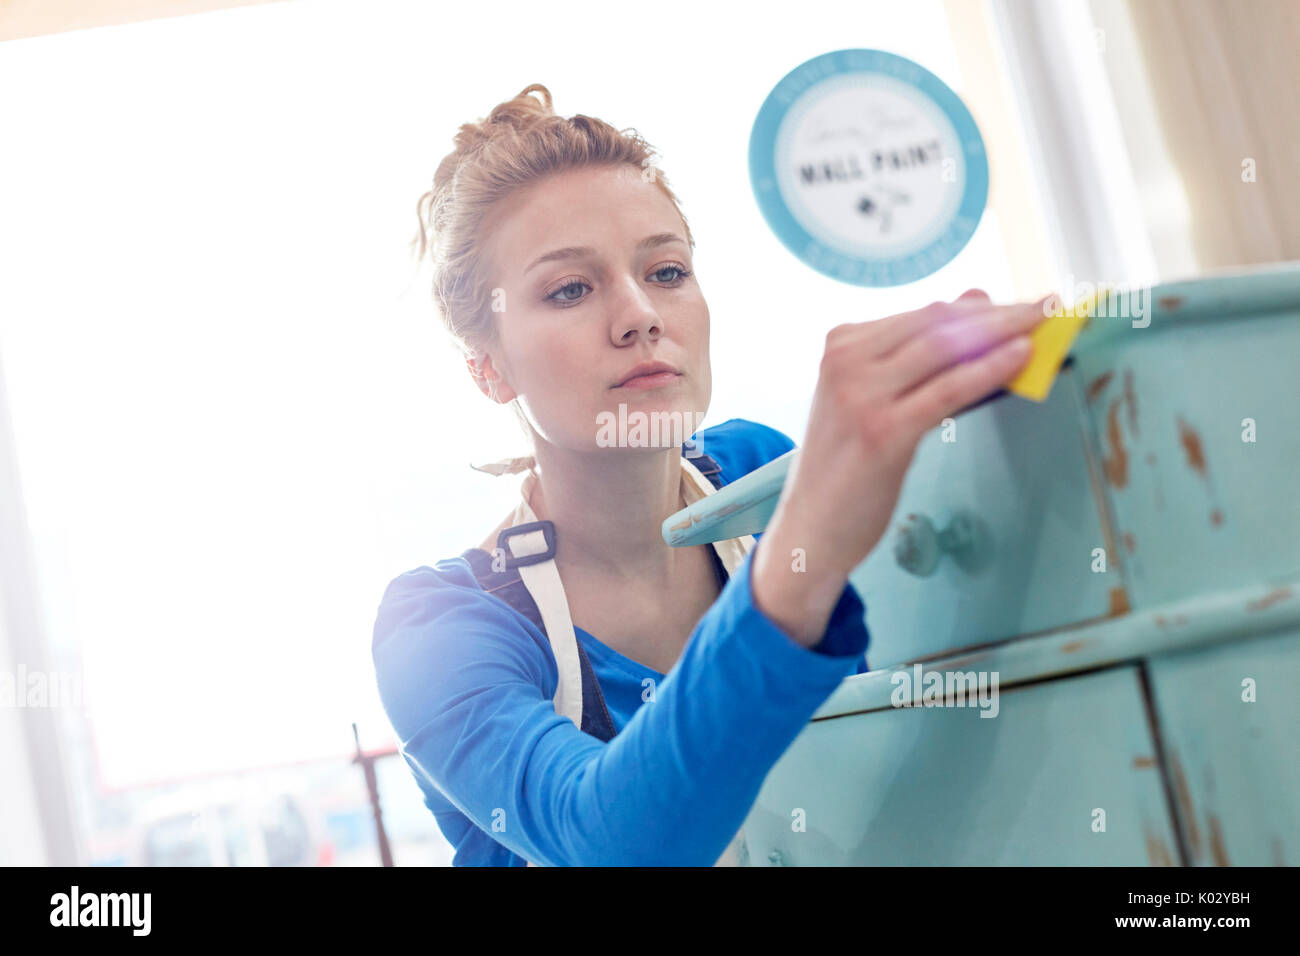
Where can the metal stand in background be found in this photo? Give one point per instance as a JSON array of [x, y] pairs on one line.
[[367, 762]]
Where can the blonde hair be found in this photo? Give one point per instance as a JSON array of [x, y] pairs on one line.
[[521, 141]]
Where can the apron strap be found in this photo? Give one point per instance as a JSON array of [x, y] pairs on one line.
[[529, 546], [731, 551], [533, 555]]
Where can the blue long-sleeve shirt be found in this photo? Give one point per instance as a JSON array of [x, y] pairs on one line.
[[468, 683]]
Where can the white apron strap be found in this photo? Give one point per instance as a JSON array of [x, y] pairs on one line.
[[731, 551], [543, 582]]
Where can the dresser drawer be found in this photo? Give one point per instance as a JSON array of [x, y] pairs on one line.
[[994, 534], [945, 786], [1234, 764], [1172, 409]]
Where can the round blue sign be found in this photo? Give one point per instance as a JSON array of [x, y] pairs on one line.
[[868, 167]]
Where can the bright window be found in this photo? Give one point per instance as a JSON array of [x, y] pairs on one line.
[[236, 417]]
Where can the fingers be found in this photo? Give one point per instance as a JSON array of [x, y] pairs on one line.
[[963, 384], [946, 344], [888, 334]]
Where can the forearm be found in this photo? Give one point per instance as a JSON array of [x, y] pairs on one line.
[[793, 584]]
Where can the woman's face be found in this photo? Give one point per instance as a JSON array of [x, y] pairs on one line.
[[590, 274]]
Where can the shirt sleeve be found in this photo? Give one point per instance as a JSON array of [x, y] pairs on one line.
[[468, 685]]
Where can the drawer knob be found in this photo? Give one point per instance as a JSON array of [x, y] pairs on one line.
[[918, 545]]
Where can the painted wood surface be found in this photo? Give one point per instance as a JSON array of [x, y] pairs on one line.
[[1234, 761], [1015, 472], [1119, 690], [946, 786], [1195, 420]]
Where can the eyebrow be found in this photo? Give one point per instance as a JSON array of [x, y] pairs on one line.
[[574, 252]]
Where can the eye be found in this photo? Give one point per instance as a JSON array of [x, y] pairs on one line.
[[680, 271], [562, 294]]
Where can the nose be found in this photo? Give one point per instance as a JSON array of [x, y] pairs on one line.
[[633, 313]]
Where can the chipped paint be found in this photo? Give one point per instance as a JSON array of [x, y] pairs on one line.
[[1143, 763], [1115, 464], [1170, 303], [1130, 542], [726, 511], [1130, 400], [1098, 385], [1072, 646], [1191, 442], [685, 524], [1217, 849], [1118, 602], [1186, 810], [1269, 599], [1216, 518], [1157, 852], [1104, 516]]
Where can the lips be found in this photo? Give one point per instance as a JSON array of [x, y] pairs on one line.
[[645, 368]]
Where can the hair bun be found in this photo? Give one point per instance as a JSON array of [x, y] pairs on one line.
[[519, 113]]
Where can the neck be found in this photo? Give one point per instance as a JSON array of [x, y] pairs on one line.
[[609, 507]]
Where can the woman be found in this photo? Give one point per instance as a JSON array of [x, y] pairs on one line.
[[574, 691]]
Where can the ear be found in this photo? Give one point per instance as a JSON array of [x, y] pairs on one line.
[[488, 379]]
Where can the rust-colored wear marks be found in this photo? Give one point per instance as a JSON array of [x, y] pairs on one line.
[[1118, 602], [1143, 763], [1157, 852], [1098, 385], [1115, 464], [1216, 518], [1130, 542], [1073, 646], [1191, 442], [1130, 400], [1269, 599], [1183, 796], [1170, 303], [1217, 849], [959, 663]]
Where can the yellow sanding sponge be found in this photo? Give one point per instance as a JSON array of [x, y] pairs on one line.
[[1051, 342]]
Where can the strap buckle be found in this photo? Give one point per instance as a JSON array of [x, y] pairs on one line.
[[547, 528]]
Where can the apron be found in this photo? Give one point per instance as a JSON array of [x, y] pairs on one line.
[[528, 538]]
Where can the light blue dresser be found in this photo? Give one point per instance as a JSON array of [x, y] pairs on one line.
[[1124, 558]]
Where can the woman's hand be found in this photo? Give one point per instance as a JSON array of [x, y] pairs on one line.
[[881, 387]]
